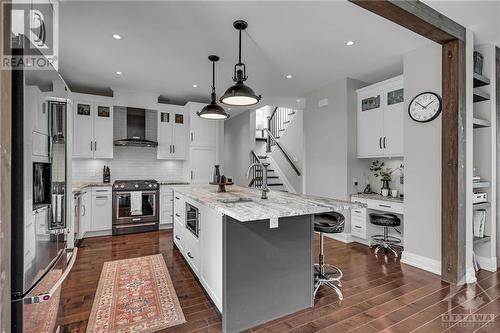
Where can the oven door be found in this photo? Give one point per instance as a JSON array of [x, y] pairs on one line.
[[122, 212]]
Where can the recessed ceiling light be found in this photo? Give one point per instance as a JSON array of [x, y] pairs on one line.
[[119, 73], [116, 36], [229, 109], [289, 76], [195, 86], [350, 43], [298, 100]]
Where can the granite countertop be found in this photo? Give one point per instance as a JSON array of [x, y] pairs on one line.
[[278, 204], [376, 196]]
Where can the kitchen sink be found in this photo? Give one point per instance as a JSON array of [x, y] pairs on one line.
[[235, 200]]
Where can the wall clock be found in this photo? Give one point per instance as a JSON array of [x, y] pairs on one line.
[[425, 107]]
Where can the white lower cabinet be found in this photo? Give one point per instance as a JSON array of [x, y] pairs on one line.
[[202, 253], [85, 213], [101, 209], [358, 223]]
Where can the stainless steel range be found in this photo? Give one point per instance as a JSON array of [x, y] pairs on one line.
[[135, 206]]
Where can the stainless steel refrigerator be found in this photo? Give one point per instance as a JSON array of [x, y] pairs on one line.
[[41, 259]]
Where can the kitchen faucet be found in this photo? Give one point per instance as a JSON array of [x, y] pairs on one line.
[[264, 166]]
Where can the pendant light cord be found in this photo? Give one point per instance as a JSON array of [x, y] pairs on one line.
[[239, 54]]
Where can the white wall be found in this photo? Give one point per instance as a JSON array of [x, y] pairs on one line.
[[292, 141], [239, 140], [330, 142], [422, 147]]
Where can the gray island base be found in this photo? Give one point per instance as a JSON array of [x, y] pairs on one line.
[[253, 257]]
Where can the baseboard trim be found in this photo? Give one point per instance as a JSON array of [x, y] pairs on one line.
[[344, 237], [427, 264], [489, 264]]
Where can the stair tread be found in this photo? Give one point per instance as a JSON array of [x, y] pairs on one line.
[[275, 184], [286, 122], [261, 139], [268, 177]]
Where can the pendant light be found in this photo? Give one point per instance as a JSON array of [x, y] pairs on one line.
[[240, 94], [213, 110]]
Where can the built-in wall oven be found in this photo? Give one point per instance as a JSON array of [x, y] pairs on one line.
[[135, 206], [192, 219]]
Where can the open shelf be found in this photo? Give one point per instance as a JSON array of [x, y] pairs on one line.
[[480, 96], [481, 184], [480, 80], [479, 206], [480, 123], [480, 240]]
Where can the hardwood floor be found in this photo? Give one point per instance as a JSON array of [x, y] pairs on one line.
[[381, 294]]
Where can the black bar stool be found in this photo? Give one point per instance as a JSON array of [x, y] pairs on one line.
[[385, 241], [326, 274]]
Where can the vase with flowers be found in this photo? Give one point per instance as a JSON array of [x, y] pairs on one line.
[[384, 173]]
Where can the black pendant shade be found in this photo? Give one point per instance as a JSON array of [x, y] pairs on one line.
[[213, 110], [240, 94]]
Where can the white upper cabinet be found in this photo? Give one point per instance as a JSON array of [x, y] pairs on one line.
[[380, 119], [172, 132], [92, 128], [203, 132]]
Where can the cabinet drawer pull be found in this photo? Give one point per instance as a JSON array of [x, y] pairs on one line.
[[358, 211], [190, 256], [101, 197], [177, 198], [177, 215], [102, 190], [357, 227], [177, 237], [385, 206]]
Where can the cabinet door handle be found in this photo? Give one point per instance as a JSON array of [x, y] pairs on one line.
[[84, 210], [192, 174], [385, 206], [173, 149], [137, 219], [177, 237], [176, 198], [91, 146], [177, 215], [190, 256], [192, 136], [384, 143], [95, 145]]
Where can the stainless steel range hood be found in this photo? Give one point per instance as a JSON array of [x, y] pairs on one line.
[[136, 130]]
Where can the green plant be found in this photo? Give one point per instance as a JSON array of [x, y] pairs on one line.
[[382, 172]]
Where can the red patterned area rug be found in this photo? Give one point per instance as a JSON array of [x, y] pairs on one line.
[[135, 295]]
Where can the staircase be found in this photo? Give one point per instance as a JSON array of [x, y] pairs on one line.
[[277, 124], [273, 180]]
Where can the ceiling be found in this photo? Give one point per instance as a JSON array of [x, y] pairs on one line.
[[165, 46], [482, 17]]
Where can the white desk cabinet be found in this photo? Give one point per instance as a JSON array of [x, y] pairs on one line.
[[380, 112], [92, 128]]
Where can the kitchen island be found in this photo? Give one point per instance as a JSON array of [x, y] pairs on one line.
[[253, 256]]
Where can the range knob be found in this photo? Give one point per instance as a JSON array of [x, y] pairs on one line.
[[116, 186], [150, 185], [136, 185], [155, 185], [122, 186]]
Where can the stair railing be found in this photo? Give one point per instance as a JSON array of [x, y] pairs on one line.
[[276, 123], [271, 137], [257, 172]]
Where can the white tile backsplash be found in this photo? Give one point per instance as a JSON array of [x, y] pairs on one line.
[[128, 163]]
